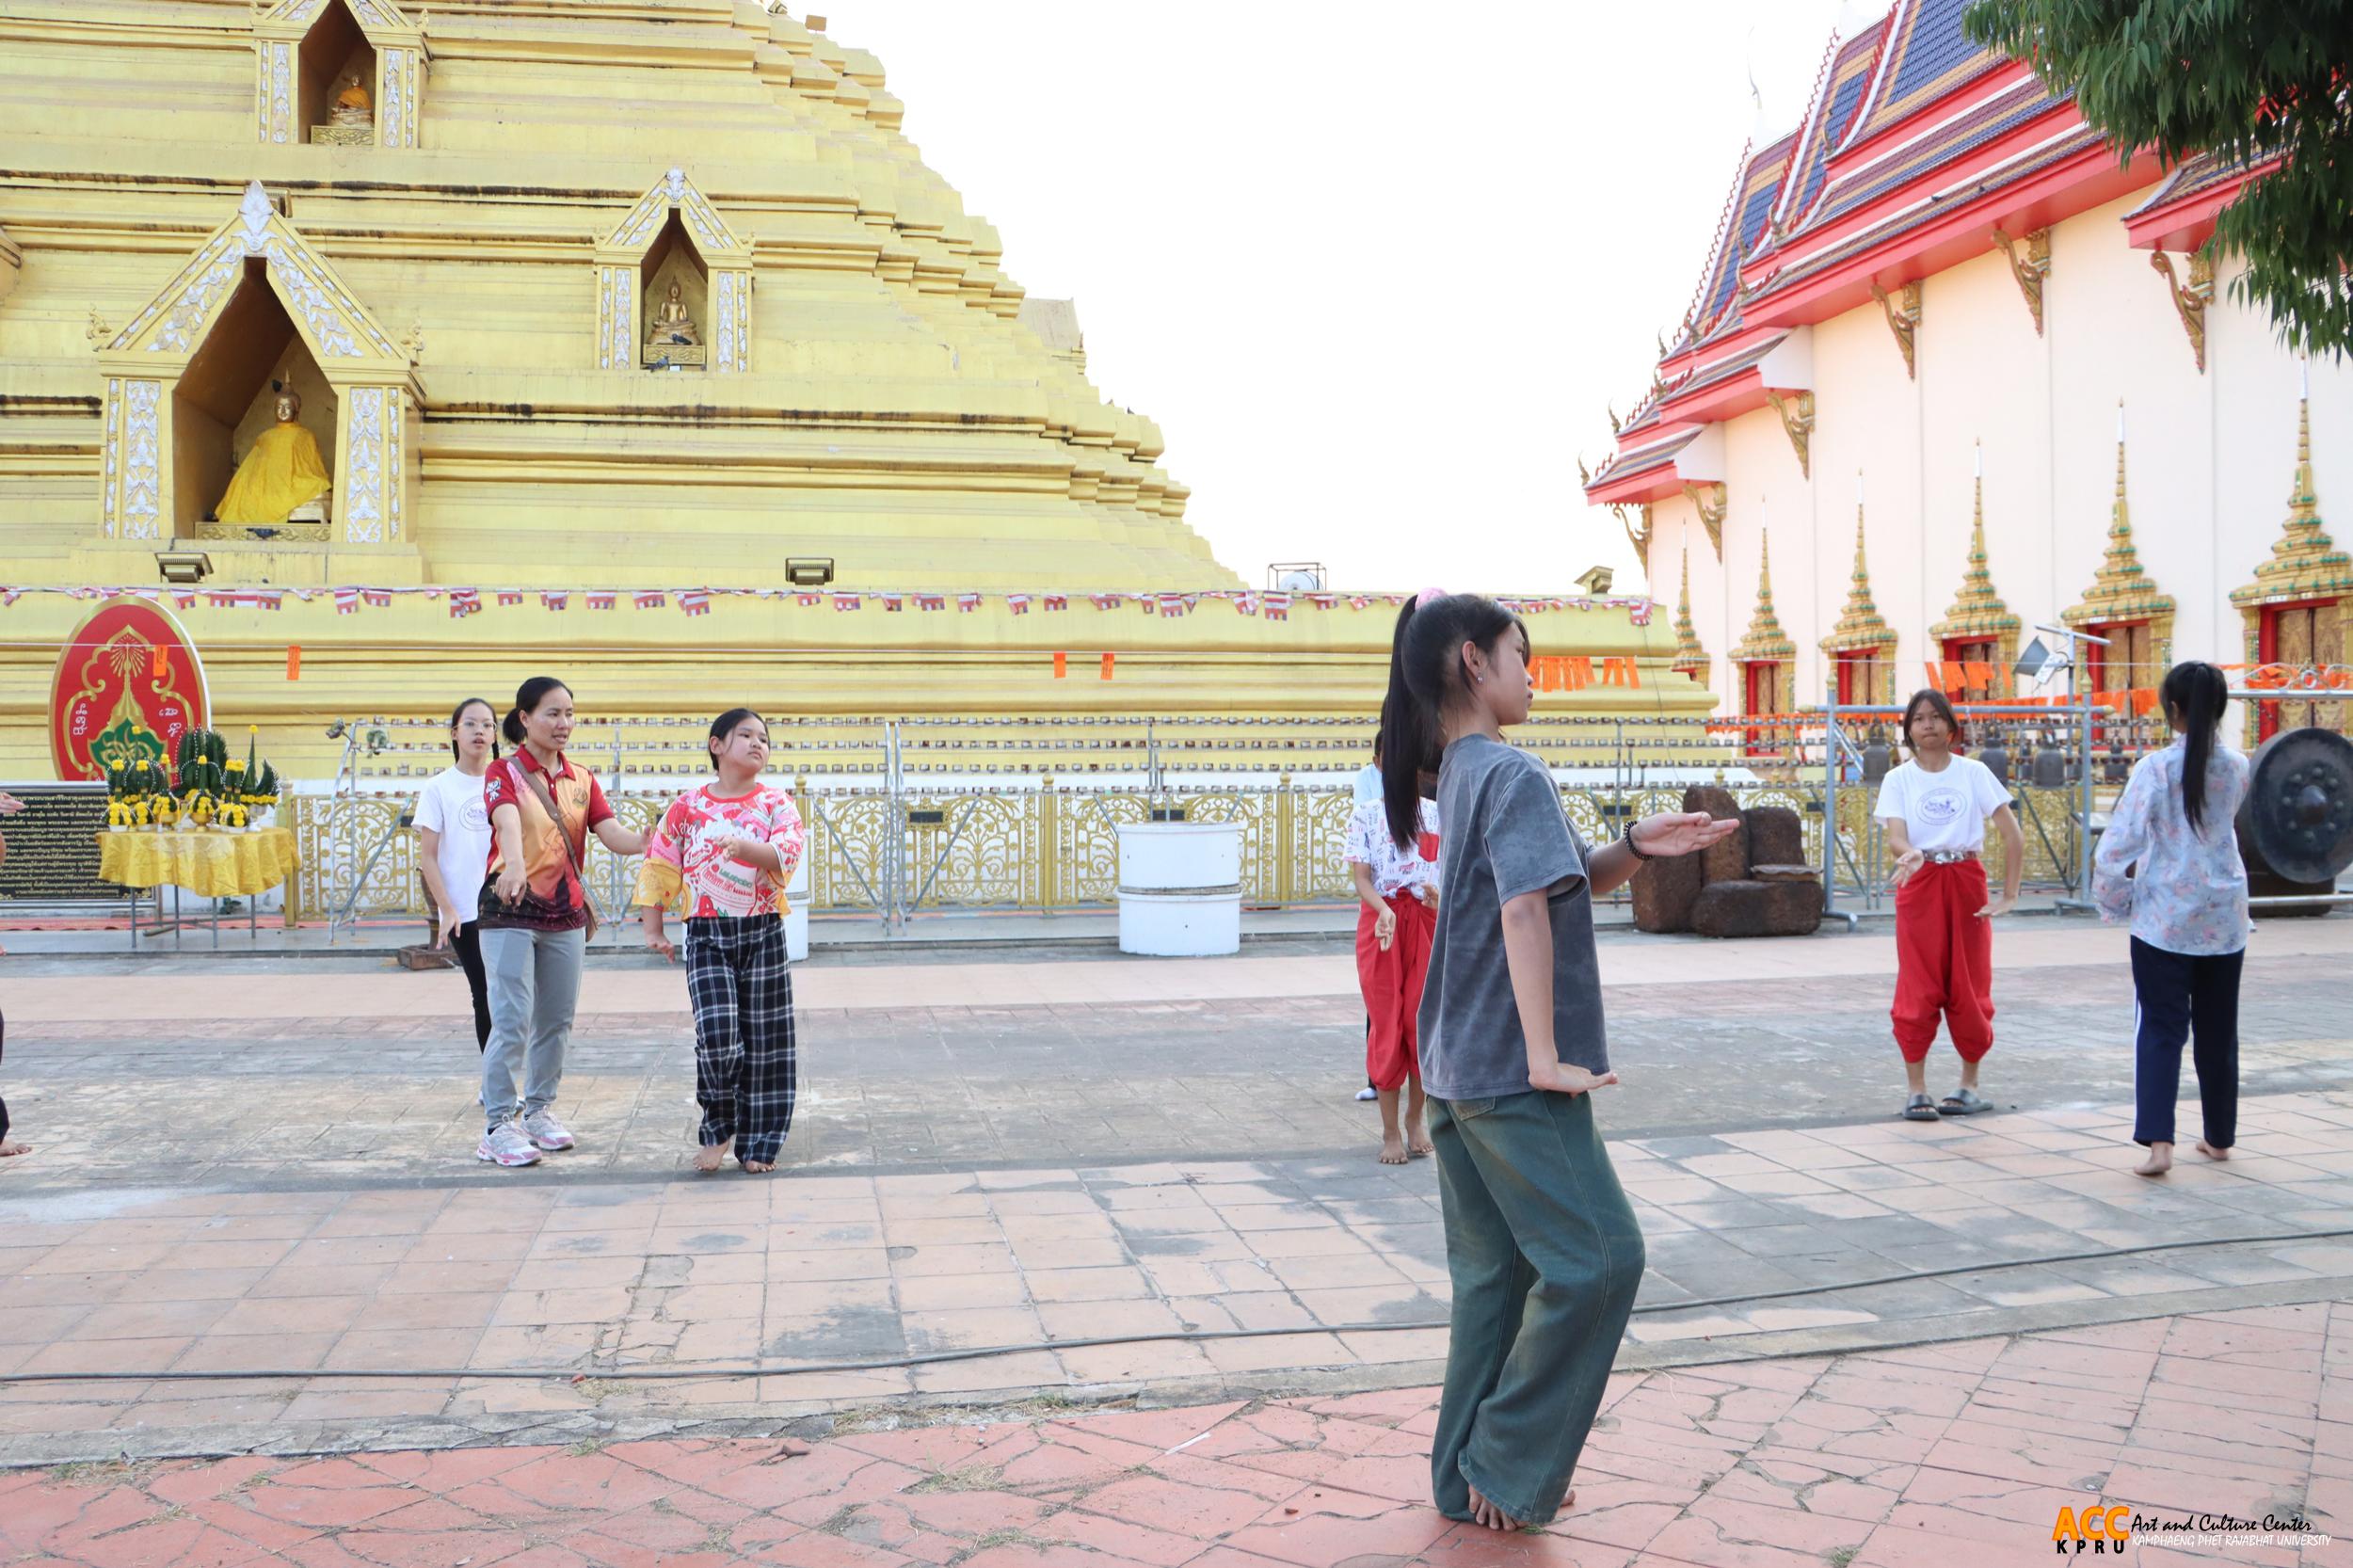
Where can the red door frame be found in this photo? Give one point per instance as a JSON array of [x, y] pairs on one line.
[[2268, 652]]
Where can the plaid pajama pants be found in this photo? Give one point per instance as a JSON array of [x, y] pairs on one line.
[[738, 979]]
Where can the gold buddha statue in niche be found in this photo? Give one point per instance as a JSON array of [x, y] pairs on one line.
[[671, 324], [672, 339], [282, 474]]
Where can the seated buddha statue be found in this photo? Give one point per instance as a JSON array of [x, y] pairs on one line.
[[352, 106], [282, 472], [671, 324]]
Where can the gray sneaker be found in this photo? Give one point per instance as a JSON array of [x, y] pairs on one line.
[[506, 1144], [546, 1133]]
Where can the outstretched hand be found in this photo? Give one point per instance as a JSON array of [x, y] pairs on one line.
[[1999, 904], [1907, 864], [1666, 833], [1567, 1078]]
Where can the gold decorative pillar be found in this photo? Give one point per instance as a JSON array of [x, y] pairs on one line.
[[134, 462], [2122, 593], [2303, 590], [376, 441], [1861, 629]]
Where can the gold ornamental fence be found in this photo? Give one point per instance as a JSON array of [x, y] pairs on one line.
[[882, 849]]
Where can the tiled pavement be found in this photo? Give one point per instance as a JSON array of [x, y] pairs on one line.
[[773, 1284], [301, 1073], [1964, 1452]]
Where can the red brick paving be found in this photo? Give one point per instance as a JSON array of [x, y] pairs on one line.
[[1950, 1454]]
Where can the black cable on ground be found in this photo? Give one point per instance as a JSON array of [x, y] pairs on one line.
[[1190, 1336]]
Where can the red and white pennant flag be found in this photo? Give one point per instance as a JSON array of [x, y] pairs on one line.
[[346, 601], [600, 600], [507, 597], [845, 602], [1278, 606], [651, 599], [1107, 601], [1018, 603], [892, 603], [1057, 602], [695, 601], [968, 602], [810, 601], [463, 602], [555, 600], [931, 601]]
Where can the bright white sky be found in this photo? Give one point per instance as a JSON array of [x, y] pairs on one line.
[[1375, 269]]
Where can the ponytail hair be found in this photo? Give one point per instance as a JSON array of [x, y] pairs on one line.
[[2194, 696], [527, 700], [1427, 678]]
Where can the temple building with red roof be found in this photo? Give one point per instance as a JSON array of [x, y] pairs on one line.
[[1946, 331]]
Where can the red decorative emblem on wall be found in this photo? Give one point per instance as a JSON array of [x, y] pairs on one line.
[[128, 685]]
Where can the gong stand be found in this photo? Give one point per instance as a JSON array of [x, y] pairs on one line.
[[2299, 803]]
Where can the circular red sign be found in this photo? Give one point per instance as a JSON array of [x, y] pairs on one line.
[[128, 685]]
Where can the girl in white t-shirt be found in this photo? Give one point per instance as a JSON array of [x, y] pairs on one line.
[[453, 831], [1936, 806]]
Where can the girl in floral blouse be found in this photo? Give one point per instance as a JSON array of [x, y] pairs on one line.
[[2169, 864], [723, 854]]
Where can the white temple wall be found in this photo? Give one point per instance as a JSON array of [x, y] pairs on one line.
[[1867, 418], [2209, 458]]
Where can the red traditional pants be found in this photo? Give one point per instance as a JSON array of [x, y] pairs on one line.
[[1944, 960], [1392, 986]]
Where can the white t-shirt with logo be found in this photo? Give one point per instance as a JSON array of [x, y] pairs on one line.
[[451, 805], [1942, 810]]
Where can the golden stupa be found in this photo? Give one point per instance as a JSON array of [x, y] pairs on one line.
[[644, 299]]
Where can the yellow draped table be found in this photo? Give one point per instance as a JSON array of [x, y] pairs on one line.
[[211, 863]]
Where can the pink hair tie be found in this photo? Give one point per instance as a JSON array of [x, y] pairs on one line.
[[1423, 597]]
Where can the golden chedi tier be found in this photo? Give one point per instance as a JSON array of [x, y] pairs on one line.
[[656, 299]]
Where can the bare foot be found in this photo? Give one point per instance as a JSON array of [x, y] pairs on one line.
[[758, 1167], [7, 1149], [2204, 1147], [1418, 1142], [1487, 1513], [709, 1157], [1392, 1149], [2159, 1162]]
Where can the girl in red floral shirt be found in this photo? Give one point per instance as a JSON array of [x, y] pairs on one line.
[[723, 854]]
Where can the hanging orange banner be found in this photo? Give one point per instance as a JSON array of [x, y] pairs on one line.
[[294, 662], [1106, 664], [1062, 665]]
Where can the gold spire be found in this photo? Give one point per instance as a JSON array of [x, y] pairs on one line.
[[1860, 624], [2122, 589], [1979, 613], [2305, 563], [1766, 642], [1690, 658]]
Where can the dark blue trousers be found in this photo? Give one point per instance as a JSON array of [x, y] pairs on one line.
[[2181, 997]]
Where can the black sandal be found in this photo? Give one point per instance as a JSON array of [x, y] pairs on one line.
[[1920, 1108], [1963, 1102]]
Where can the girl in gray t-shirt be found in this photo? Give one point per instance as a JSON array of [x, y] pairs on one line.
[[1543, 1246]]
